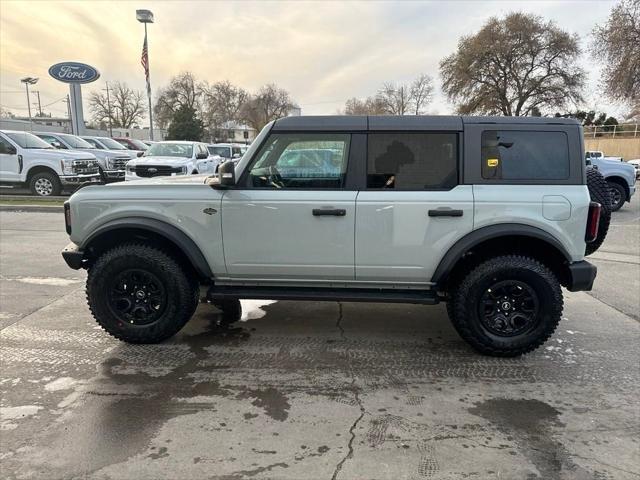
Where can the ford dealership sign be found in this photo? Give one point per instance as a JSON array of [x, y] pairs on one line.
[[74, 72]]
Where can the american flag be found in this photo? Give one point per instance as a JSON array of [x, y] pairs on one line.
[[144, 60]]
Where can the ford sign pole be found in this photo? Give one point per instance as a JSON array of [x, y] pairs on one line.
[[75, 74], [146, 16]]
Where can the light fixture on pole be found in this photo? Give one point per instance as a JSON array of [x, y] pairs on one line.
[[146, 16], [29, 81]]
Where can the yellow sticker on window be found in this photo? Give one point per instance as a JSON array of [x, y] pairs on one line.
[[492, 162]]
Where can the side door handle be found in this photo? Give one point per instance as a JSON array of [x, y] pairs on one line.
[[445, 212], [336, 212]]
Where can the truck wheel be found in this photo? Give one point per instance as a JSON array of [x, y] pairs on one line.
[[45, 184], [139, 294], [231, 310], [507, 306], [599, 192], [618, 196]]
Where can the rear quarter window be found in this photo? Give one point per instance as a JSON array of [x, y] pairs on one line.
[[524, 155]]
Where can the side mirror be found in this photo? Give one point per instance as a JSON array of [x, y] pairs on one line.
[[56, 144], [227, 174], [139, 154], [202, 155], [8, 150], [236, 155]]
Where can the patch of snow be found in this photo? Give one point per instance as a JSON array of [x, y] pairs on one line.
[[54, 281], [251, 309], [13, 413], [62, 383]]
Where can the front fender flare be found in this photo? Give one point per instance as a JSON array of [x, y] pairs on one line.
[[171, 233]]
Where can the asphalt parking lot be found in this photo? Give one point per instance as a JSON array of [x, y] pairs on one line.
[[312, 390]]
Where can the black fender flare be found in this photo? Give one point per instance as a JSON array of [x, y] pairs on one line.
[[483, 234], [164, 229]]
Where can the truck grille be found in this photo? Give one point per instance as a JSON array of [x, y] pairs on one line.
[[155, 170], [119, 163], [85, 167]]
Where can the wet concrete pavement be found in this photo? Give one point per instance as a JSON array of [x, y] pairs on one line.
[[315, 390]]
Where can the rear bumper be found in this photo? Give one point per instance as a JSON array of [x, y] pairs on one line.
[[581, 276], [73, 256]]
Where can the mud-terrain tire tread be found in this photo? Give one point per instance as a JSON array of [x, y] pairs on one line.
[[623, 196], [53, 178], [462, 318], [599, 192], [180, 304]]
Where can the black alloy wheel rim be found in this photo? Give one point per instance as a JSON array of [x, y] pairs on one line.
[[616, 196], [508, 308], [137, 297]]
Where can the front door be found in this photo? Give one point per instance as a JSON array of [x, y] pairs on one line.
[[413, 209], [9, 162], [290, 216]]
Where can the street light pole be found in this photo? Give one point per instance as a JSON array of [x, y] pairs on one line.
[[146, 16], [29, 81]]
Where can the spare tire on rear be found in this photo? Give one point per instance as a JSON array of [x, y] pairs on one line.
[[599, 192]]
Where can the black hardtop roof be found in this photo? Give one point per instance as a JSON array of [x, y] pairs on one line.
[[402, 122]]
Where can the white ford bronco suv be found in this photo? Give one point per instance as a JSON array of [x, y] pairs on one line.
[[491, 215]]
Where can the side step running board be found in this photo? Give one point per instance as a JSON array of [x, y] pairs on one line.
[[328, 294]]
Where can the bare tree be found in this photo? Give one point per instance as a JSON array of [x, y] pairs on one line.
[[617, 43], [421, 93], [223, 102], [183, 91], [394, 99], [4, 113], [270, 103], [512, 66], [126, 106]]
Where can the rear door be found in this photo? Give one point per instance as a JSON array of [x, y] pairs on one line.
[[291, 216], [413, 208]]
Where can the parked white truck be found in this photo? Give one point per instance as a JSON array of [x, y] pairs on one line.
[[27, 160], [620, 176]]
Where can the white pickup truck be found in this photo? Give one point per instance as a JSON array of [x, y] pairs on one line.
[[27, 160]]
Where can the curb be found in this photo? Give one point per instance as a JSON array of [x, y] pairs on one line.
[[17, 198], [32, 208]]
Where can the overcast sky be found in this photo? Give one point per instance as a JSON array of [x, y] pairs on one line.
[[321, 52]]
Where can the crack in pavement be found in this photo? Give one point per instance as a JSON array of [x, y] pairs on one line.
[[358, 400]]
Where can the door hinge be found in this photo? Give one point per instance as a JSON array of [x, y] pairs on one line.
[[210, 211]]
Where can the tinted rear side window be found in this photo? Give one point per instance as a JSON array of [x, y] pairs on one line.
[[412, 161], [520, 155]]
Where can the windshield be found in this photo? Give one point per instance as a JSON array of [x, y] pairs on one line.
[[75, 142], [111, 144], [170, 150], [224, 152], [139, 145], [28, 140]]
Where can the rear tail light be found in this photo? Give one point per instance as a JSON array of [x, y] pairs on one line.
[[67, 217], [593, 221]]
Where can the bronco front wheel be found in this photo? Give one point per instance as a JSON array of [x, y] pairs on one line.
[[139, 294], [507, 306]]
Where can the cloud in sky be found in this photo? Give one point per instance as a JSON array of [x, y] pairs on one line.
[[322, 52]]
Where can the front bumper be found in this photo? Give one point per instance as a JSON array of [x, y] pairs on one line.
[[73, 256], [113, 175], [80, 179], [581, 276]]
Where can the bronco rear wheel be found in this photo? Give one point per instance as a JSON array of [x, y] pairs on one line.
[[139, 294], [507, 306]]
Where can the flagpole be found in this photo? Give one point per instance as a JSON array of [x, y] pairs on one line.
[[148, 85]]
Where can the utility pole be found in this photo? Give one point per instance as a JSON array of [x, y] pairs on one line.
[[37, 92], [68, 102], [109, 109]]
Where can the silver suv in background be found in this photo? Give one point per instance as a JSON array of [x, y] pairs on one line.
[[27, 160], [107, 143], [172, 158], [112, 162]]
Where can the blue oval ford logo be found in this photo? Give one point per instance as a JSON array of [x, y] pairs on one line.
[[74, 72]]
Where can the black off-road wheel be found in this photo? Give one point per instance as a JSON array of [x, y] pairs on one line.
[[507, 306], [599, 192], [45, 184], [140, 294], [231, 310], [618, 196]]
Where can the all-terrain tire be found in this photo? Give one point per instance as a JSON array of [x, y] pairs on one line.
[[45, 184], [469, 305], [231, 310], [618, 196], [108, 293], [599, 192]]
